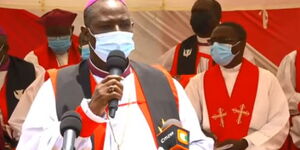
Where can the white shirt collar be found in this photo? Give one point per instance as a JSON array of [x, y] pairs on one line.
[[202, 40], [234, 69]]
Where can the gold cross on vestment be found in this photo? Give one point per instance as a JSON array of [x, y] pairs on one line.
[[240, 113], [220, 116]]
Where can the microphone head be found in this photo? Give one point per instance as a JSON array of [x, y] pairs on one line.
[[116, 59], [173, 136], [70, 120], [170, 122]]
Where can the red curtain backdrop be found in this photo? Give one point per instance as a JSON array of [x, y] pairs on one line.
[[281, 37], [24, 33]]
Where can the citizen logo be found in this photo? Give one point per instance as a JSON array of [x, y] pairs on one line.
[[164, 139]]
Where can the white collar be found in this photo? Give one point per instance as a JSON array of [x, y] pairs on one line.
[[202, 40], [234, 69]]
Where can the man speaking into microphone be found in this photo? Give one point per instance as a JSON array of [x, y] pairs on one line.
[[145, 94]]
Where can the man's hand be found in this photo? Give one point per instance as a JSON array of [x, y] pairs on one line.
[[110, 88], [233, 145]]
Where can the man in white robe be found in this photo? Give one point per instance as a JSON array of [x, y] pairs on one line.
[[267, 112], [205, 16], [287, 76], [129, 129], [15, 76]]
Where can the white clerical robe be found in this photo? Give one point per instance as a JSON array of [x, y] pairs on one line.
[[18, 117], [129, 129], [62, 59], [166, 60], [16, 132], [269, 123], [287, 78]]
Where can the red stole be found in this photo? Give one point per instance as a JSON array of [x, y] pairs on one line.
[[47, 58], [3, 103], [184, 79], [3, 107], [230, 116], [99, 132]]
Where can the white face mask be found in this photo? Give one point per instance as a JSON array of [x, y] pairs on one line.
[[117, 40]]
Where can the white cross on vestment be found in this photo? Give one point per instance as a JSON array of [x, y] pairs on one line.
[[220, 116], [240, 113]]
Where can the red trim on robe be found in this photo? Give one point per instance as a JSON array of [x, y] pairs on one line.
[[90, 127], [3, 107], [185, 79], [219, 102], [3, 103], [47, 58], [143, 102]]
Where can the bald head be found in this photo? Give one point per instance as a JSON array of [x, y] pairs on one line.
[[104, 16], [206, 15], [104, 9], [207, 5]]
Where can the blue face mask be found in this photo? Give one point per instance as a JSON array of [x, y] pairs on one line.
[[222, 54], [59, 45], [85, 52], [117, 40]]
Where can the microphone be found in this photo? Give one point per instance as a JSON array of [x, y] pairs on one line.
[[173, 136], [70, 128], [116, 64]]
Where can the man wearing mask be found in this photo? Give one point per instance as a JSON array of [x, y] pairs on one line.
[[88, 88], [15, 76], [62, 47], [241, 104], [191, 56], [288, 76]]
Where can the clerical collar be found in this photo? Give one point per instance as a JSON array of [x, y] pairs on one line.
[[102, 74], [202, 41], [4, 67], [234, 69]]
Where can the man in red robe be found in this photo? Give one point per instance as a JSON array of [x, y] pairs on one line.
[[62, 47]]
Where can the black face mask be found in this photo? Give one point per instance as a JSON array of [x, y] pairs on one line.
[[203, 23]]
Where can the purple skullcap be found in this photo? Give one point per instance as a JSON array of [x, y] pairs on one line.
[[2, 32], [91, 2]]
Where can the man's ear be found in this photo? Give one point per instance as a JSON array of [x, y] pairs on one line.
[[72, 30], [85, 32], [82, 28]]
